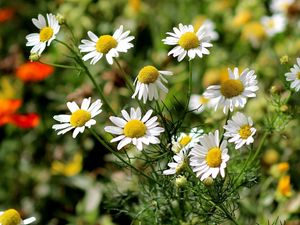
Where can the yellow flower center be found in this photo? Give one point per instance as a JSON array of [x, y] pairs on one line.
[[135, 129], [298, 75], [106, 43], [214, 157], [245, 131], [203, 100], [148, 74], [79, 118], [189, 40], [231, 88], [185, 140], [10, 217], [45, 34], [270, 24]]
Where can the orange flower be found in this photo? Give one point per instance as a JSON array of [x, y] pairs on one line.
[[6, 14], [284, 186], [8, 114], [34, 71]]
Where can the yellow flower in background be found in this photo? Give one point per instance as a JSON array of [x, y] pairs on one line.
[[215, 76], [284, 186], [279, 169], [71, 168], [220, 5], [135, 5], [7, 90], [254, 32], [270, 157], [241, 18]]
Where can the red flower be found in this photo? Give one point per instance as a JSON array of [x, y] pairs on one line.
[[6, 14], [8, 114], [34, 71]]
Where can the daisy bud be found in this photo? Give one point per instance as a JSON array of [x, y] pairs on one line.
[[284, 59], [34, 57], [180, 181], [208, 182], [284, 108], [60, 18]]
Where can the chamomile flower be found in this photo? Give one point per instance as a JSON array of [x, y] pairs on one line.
[[209, 158], [80, 118], [47, 33], [198, 103], [240, 130], [274, 24], [188, 42], [234, 91], [294, 76], [135, 129], [186, 140], [179, 163], [12, 217], [281, 6], [105, 45], [148, 81]]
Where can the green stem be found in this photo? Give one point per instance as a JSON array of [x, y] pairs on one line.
[[60, 65], [190, 84], [227, 118], [125, 75], [259, 147], [103, 142]]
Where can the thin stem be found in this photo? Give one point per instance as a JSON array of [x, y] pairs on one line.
[[60, 65], [227, 118], [259, 147], [125, 75]]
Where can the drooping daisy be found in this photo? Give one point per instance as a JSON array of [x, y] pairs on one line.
[[198, 103], [294, 76], [274, 24], [135, 129], [80, 117], [46, 35], [186, 141], [148, 81], [281, 6], [12, 217], [179, 163], [188, 42], [240, 130], [107, 45], [209, 158], [234, 91]]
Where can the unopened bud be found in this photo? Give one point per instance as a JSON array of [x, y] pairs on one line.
[[284, 59], [276, 89], [208, 182], [60, 18], [34, 57], [180, 181]]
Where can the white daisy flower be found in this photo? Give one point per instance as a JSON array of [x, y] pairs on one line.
[[107, 45], [234, 91], [135, 129], [210, 29], [274, 24], [281, 6], [239, 129], [80, 117], [180, 160], [148, 81], [186, 141], [46, 35], [12, 217], [198, 103], [209, 158], [188, 42], [294, 76]]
